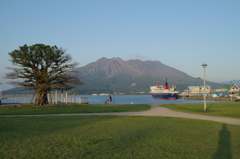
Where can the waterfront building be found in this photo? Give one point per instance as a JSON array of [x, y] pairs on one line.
[[196, 91], [232, 89]]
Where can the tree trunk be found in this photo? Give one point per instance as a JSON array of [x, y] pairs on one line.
[[33, 96], [41, 98]]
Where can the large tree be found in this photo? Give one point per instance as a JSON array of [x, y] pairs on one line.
[[43, 68]]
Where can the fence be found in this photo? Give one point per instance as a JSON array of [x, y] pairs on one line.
[[80, 100]]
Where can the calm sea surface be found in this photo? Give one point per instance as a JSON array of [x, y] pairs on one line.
[[117, 99]]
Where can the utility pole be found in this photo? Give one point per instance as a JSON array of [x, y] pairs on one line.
[[205, 105], [0, 93], [199, 86], [230, 89], [113, 91]]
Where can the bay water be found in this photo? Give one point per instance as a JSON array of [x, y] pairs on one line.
[[117, 99]]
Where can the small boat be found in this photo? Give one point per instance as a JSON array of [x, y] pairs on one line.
[[163, 92]]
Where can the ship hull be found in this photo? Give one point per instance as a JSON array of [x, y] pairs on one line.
[[165, 96]]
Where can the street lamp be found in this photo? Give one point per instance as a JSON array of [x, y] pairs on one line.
[[205, 105], [0, 90], [0, 93], [199, 86], [113, 91], [179, 81], [230, 91]]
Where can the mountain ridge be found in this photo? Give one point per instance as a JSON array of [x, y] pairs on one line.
[[237, 82], [133, 75], [113, 65], [114, 74]]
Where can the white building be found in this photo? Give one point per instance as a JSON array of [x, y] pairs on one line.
[[196, 90], [231, 88]]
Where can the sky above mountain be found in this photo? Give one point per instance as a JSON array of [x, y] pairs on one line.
[[181, 34]]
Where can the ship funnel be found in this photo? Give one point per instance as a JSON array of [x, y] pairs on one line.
[[166, 84]]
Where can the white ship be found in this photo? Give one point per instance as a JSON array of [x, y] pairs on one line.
[[163, 92]]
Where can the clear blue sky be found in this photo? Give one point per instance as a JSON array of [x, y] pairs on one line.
[[182, 34]]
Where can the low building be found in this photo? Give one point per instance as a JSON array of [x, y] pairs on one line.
[[232, 89], [226, 90], [196, 91], [221, 92]]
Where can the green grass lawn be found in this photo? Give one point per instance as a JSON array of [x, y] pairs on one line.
[[120, 137], [110, 137], [231, 110], [69, 109]]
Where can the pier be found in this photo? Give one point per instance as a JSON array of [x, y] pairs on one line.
[[210, 98]]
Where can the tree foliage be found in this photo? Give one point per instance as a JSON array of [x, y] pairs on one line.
[[43, 68]]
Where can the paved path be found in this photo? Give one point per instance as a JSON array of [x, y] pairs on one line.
[[155, 110]]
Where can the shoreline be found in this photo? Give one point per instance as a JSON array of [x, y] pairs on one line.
[[53, 95], [210, 98]]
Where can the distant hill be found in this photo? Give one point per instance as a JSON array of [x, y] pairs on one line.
[[237, 82], [17, 90], [131, 76]]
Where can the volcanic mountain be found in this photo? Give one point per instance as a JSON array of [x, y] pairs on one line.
[[133, 76]]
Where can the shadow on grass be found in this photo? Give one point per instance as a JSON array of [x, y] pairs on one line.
[[224, 144], [209, 106]]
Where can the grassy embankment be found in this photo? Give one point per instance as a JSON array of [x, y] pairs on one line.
[[70, 109], [116, 137], [231, 110]]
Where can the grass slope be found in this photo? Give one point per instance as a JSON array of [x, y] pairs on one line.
[[70, 109], [116, 137], [231, 110]]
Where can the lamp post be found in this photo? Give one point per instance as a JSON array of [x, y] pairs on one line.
[[0, 93], [205, 105], [113, 91], [179, 81], [230, 91], [200, 90], [199, 86], [0, 90]]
